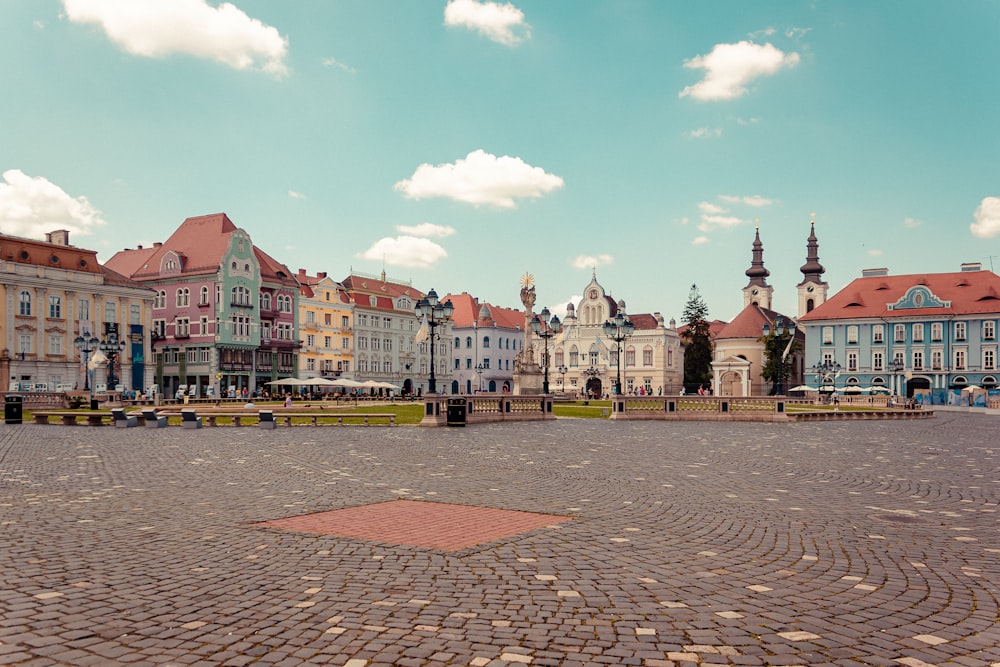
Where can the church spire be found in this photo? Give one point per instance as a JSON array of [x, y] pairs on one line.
[[812, 270], [757, 273]]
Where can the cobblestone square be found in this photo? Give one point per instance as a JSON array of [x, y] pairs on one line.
[[831, 543]]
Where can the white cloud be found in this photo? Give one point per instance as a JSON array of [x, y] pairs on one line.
[[559, 309], [987, 224], [32, 206], [701, 240], [333, 62], [407, 251], [710, 222], [480, 178], [753, 200], [155, 29], [589, 262], [503, 23], [426, 230], [912, 223], [708, 208], [730, 67], [704, 132], [296, 195]]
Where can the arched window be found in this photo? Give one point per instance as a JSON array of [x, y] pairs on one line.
[[24, 307], [55, 307], [203, 299], [468, 342], [458, 342], [486, 341], [265, 301]]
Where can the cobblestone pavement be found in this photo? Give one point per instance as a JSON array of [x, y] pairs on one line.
[[856, 543]]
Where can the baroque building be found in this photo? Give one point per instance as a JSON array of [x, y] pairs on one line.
[[931, 333], [224, 316], [54, 292], [584, 361]]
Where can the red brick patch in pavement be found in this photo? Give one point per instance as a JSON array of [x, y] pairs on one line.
[[419, 523]]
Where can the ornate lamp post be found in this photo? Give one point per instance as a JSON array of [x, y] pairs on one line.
[[113, 348], [781, 332], [479, 376], [826, 372], [545, 328], [562, 370], [436, 314], [896, 367], [618, 329], [87, 345]]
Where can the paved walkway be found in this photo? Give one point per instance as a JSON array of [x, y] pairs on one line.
[[856, 543]]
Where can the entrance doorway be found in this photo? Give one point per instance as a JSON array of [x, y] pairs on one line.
[[594, 388], [916, 383]]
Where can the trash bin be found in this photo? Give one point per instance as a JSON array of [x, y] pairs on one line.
[[456, 412], [12, 408]]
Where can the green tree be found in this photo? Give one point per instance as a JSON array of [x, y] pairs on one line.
[[697, 341], [778, 352]]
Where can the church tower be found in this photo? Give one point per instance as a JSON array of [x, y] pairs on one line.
[[757, 290], [813, 289]]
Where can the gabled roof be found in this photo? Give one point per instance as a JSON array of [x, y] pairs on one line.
[[643, 321], [361, 288], [749, 323], [963, 293], [468, 310], [714, 327], [201, 242]]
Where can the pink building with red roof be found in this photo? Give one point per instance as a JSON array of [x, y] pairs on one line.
[[224, 317]]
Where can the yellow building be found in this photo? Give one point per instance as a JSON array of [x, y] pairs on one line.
[[54, 293], [326, 317]]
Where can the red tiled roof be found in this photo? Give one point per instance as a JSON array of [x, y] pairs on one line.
[[59, 256], [467, 309], [970, 292], [714, 327]]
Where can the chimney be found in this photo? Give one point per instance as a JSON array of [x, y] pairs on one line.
[[321, 274], [302, 273], [972, 266], [58, 237], [874, 273], [157, 244]]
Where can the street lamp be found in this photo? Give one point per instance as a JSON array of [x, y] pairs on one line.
[[781, 331], [826, 372], [545, 328], [86, 345], [896, 367], [562, 370], [435, 315], [618, 329], [479, 376], [113, 348]]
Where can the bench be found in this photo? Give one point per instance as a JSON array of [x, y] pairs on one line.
[[153, 420], [71, 418], [122, 420], [190, 419]]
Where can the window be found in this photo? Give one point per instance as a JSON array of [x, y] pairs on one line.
[[959, 330], [241, 296], [346, 322], [827, 335], [386, 322], [647, 356], [468, 363], [241, 326], [83, 306], [630, 357], [362, 320], [110, 311], [362, 342], [135, 314], [327, 319], [918, 333], [310, 340], [265, 301], [877, 361], [486, 342], [192, 355], [989, 330], [852, 362], [182, 329], [388, 345], [852, 334], [937, 360], [284, 331], [25, 344], [24, 307], [918, 360], [878, 333], [387, 366], [458, 343], [899, 333], [376, 342], [203, 326], [183, 297], [55, 307], [937, 331], [327, 340], [468, 342], [486, 363], [310, 317], [960, 360], [203, 296], [458, 364], [345, 343], [310, 364], [284, 303], [205, 355], [989, 359], [55, 345], [160, 328], [574, 358]]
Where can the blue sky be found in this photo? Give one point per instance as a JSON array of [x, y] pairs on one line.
[[460, 144]]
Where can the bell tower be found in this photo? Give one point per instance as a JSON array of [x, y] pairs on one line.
[[757, 290], [813, 289]]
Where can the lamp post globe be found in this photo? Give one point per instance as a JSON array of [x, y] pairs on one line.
[[618, 329], [435, 314], [545, 326]]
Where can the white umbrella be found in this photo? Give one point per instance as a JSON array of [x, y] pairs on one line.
[[971, 387], [287, 382], [803, 387], [344, 382], [881, 390]]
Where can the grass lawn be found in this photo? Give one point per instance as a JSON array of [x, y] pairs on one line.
[[583, 409]]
